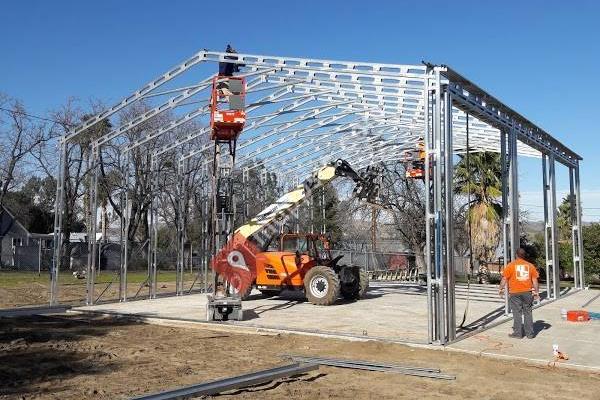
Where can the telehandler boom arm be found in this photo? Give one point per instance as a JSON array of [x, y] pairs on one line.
[[235, 262]]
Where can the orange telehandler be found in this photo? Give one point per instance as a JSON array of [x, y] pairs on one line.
[[302, 261]]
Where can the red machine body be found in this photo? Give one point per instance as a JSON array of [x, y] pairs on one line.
[[227, 112]]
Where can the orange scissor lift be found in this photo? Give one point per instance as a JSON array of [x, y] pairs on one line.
[[415, 162], [228, 109], [227, 120]]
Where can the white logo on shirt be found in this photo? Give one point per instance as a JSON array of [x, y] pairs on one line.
[[522, 272]]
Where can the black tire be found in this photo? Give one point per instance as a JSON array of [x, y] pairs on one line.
[[357, 288], [364, 283], [321, 286]]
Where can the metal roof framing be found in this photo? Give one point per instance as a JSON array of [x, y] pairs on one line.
[[303, 113]]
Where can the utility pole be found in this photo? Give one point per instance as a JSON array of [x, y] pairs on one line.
[[373, 229]]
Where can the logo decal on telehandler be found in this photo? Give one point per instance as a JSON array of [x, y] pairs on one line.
[[236, 260]]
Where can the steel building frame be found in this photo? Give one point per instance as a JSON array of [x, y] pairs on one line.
[[303, 113]]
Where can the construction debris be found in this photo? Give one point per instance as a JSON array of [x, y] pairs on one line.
[[235, 382], [373, 366], [590, 301]]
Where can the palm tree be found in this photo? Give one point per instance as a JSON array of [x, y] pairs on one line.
[[477, 176], [564, 220]]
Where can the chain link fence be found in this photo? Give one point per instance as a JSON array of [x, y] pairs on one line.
[[383, 266], [25, 271]]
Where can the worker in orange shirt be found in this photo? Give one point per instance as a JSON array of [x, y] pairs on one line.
[[522, 279]]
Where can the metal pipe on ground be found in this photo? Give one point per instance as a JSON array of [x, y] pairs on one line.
[[364, 363], [591, 301], [235, 382], [372, 366]]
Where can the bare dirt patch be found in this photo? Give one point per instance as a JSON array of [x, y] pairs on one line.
[[75, 357]]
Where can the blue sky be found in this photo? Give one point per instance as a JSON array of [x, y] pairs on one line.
[[539, 57]]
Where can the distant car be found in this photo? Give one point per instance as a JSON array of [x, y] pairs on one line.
[[79, 274]]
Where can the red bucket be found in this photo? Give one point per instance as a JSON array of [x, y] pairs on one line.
[[578, 316]]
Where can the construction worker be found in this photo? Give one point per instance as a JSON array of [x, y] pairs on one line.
[[522, 279], [227, 69]]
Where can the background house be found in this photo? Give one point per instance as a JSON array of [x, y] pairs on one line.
[[21, 249]]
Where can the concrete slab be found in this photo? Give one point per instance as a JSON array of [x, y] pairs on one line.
[[578, 340], [391, 311], [396, 312]]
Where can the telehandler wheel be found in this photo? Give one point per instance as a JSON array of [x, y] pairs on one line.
[[364, 283], [321, 285], [357, 288]]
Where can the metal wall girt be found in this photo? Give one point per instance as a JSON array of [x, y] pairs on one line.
[[495, 113]]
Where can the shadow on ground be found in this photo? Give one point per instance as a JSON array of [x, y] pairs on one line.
[[272, 385], [539, 326], [38, 349]]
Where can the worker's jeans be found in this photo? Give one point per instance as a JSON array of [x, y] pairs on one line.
[[520, 304]]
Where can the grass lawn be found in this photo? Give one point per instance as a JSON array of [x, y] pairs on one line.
[[12, 279]]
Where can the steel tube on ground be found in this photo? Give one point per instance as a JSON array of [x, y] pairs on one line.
[[222, 385], [422, 374], [362, 362]]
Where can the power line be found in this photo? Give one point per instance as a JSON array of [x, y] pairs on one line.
[[36, 116]]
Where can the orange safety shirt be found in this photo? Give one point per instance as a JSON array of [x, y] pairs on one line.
[[519, 274]]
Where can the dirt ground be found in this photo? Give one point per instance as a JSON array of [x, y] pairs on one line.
[[75, 357], [36, 293]]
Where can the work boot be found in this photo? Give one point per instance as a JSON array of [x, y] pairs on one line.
[[515, 336], [530, 336]]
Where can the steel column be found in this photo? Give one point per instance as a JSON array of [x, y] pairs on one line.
[[181, 209], [547, 233], [153, 230], [552, 228], [438, 214], [125, 227], [506, 253], [429, 216], [93, 163], [122, 236], [449, 219], [513, 177], [579, 237], [59, 212], [574, 228], [207, 233]]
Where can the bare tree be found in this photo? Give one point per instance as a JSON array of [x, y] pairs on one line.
[[176, 192], [76, 164], [20, 137], [404, 201]]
